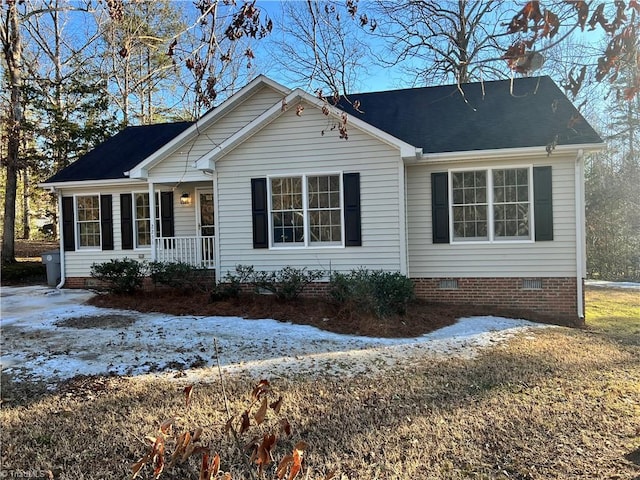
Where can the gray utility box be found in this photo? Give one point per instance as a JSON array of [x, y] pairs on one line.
[[52, 260]]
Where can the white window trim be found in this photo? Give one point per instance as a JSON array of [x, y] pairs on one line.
[[76, 223], [490, 204], [305, 213]]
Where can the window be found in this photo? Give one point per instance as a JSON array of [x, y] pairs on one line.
[[88, 221], [306, 210], [325, 219], [469, 191], [511, 203], [287, 212], [491, 205], [143, 219]]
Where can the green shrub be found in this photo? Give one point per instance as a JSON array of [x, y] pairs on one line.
[[378, 292], [179, 275], [19, 272], [231, 285], [120, 275], [286, 284]]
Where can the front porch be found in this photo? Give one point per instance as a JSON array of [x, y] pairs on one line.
[[185, 224]]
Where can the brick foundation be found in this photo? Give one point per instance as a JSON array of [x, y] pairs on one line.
[[550, 299], [92, 283]]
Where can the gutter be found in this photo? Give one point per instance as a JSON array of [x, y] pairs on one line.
[[61, 235], [506, 153], [580, 233], [90, 183]]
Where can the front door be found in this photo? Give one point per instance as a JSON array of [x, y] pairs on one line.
[[206, 226], [206, 223]]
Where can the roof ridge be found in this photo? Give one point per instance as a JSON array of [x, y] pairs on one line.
[[449, 85]]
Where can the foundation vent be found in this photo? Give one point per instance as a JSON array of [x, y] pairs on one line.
[[532, 284], [448, 284]]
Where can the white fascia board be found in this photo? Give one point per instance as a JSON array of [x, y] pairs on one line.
[[501, 153], [207, 161], [142, 169], [96, 184]]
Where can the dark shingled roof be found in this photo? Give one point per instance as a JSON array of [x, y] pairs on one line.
[[525, 112], [120, 153]]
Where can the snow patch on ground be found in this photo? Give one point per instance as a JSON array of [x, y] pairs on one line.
[[43, 339], [607, 284]]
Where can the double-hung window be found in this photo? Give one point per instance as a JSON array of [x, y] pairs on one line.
[[88, 221], [491, 204], [142, 223], [306, 210]]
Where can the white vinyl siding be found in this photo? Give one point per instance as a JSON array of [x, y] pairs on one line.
[[555, 258], [179, 165], [292, 145]]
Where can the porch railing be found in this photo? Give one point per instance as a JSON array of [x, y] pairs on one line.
[[196, 251]]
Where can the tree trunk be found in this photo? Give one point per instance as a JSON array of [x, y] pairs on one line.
[[12, 49], [9, 227]]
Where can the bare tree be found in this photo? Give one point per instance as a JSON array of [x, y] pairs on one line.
[[320, 46], [444, 40], [217, 51]]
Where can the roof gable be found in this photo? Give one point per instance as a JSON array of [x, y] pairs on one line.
[[517, 113], [207, 161], [204, 122]]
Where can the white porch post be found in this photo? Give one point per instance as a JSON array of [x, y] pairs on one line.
[[152, 222]]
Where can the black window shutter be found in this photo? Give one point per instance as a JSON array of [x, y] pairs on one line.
[[259, 213], [126, 221], [440, 207], [106, 221], [543, 203], [68, 227], [352, 215], [166, 214]]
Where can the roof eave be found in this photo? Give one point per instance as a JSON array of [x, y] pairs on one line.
[[505, 153]]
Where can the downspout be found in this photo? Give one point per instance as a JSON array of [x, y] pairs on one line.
[[61, 235], [402, 218], [580, 233]]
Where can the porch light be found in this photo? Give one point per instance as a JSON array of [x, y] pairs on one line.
[[185, 199]]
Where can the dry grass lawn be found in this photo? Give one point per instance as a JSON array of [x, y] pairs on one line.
[[555, 404]]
